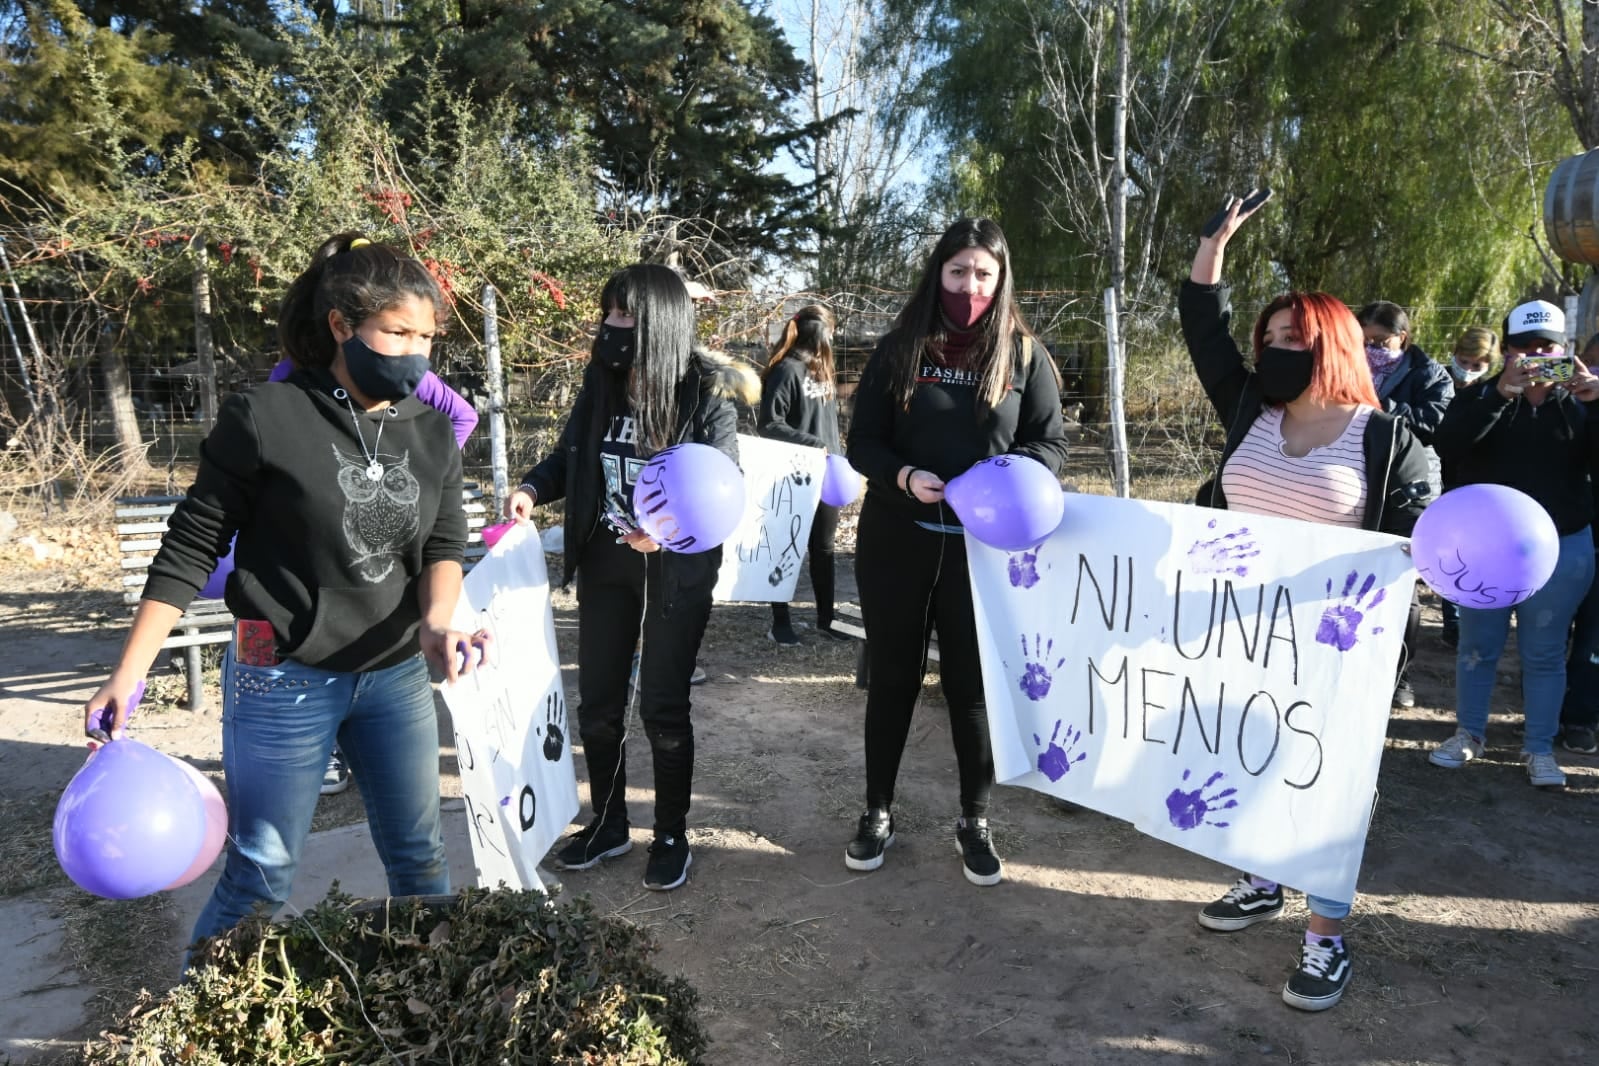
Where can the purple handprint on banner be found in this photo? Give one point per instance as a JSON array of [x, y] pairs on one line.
[[1340, 622], [1036, 675], [1188, 810], [1223, 554], [1056, 759], [1023, 568]]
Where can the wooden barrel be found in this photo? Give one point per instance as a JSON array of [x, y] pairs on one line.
[[1571, 209]]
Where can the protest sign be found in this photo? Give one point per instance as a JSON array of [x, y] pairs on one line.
[[1221, 680], [782, 486], [513, 738]]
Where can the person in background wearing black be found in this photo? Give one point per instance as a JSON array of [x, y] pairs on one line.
[[345, 492], [1522, 429], [958, 379], [1476, 351], [799, 405], [645, 389], [1412, 387], [1579, 712]]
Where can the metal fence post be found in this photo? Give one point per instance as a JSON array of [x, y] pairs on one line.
[[1120, 473], [496, 383]]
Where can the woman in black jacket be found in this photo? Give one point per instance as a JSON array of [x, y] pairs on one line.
[[957, 380], [645, 389], [1306, 439], [799, 405], [1413, 387]]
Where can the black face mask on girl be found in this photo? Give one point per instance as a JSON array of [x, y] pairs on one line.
[[614, 347], [1284, 373], [382, 377]]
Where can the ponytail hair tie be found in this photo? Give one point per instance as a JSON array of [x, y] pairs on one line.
[[359, 242]]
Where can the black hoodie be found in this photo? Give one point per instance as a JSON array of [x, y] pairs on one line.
[[331, 558]]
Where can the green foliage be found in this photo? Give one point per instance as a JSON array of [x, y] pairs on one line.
[[1408, 161], [498, 976]]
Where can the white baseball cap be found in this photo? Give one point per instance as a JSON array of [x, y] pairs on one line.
[[1538, 320]]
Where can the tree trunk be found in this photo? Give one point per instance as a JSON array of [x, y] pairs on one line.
[[119, 396], [204, 350]]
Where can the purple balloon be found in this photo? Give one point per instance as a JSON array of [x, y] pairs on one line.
[[689, 498], [841, 484], [216, 826], [1485, 546], [217, 583], [130, 822], [1008, 502]]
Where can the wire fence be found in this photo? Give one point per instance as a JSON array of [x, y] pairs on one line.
[[1171, 431]]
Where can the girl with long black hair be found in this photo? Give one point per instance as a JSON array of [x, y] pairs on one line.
[[646, 388], [958, 379], [799, 405]]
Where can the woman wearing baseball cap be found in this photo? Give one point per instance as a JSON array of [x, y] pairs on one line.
[[1525, 427]]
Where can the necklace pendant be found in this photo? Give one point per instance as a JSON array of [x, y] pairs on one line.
[[374, 471]]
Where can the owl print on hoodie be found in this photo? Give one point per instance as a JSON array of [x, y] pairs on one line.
[[380, 513]]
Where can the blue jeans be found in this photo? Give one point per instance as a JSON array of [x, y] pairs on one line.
[[279, 724], [1542, 623]]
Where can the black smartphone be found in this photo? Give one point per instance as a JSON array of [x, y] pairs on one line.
[[1252, 201]]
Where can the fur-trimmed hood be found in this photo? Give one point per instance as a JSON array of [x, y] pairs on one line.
[[729, 378]]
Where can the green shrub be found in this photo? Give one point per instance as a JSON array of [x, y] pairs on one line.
[[497, 977]]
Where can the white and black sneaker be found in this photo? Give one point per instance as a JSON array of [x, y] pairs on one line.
[[336, 777], [978, 861], [670, 859], [1241, 907], [873, 836], [1323, 974], [593, 844]]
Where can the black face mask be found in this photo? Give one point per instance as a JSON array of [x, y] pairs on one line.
[[614, 347], [1284, 373], [382, 377]]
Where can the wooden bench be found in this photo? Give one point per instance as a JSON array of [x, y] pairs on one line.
[[847, 619], [141, 522]]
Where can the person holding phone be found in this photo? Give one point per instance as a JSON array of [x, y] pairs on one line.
[[1307, 439], [344, 490], [646, 387], [1523, 429]]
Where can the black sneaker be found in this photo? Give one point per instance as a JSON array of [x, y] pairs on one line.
[[977, 852], [669, 863], [1322, 976], [1241, 907], [782, 633], [1404, 695], [591, 845], [872, 838], [1579, 739]]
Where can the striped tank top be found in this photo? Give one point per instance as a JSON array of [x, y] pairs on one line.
[[1327, 486]]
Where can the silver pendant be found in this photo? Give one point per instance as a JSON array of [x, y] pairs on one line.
[[374, 472]]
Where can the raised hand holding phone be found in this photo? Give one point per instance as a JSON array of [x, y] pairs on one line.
[[1246, 207]]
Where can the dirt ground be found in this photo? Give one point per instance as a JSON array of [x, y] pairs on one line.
[[1472, 939]]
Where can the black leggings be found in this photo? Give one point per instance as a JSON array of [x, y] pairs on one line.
[[912, 580], [824, 529], [613, 592]]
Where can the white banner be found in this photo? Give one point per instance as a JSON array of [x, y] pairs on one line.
[[1221, 680], [782, 486], [513, 739]]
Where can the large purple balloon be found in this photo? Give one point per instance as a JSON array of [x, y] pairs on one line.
[[130, 822], [1485, 546], [1008, 502], [217, 583], [841, 484], [689, 498]]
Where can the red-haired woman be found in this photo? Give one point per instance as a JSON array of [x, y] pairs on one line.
[[1306, 438]]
